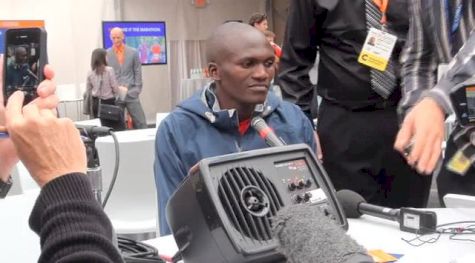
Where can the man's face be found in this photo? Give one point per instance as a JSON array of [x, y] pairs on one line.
[[20, 56], [117, 37], [262, 26], [244, 74]]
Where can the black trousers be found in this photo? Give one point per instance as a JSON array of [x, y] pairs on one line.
[[358, 155], [450, 182]]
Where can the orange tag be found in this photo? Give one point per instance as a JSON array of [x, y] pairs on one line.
[[380, 256]]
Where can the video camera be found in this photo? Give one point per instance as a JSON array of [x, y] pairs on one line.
[[462, 97], [463, 101]]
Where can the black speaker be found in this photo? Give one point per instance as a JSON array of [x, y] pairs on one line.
[[222, 212]]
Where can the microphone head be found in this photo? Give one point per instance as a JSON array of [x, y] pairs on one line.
[[305, 234], [258, 123], [350, 201]]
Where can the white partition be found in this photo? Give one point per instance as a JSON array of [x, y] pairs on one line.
[[132, 206]]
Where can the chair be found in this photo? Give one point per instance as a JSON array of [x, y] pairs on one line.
[[132, 206], [22, 181], [16, 188], [91, 122], [68, 95], [459, 201], [159, 118]]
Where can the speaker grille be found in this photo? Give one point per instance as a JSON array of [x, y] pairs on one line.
[[250, 200]]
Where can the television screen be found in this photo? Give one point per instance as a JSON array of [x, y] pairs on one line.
[[149, 38]]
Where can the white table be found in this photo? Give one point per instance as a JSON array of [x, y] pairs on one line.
[[132, 206], [17, 242], [375, 233]]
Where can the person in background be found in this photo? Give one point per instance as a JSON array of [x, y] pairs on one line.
[[216, 121], [431, 46], [259, 21], [102, 85], [274, 87], [128, 70], [270, 36], [71, 224], [357, 119]]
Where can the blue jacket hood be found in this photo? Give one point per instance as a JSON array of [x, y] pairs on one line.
[[204, 104]]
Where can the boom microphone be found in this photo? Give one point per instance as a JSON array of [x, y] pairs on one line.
[[266, 132], [409, 219], [305, 234]]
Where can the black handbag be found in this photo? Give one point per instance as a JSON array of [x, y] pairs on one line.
[[111, 112]]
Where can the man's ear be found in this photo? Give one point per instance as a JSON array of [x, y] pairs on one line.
[[213, 71]]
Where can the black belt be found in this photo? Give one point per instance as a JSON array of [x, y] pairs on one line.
[[382, 105]]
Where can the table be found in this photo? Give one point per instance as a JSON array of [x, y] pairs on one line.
[[375, 233], [19, 244], [132, 206]]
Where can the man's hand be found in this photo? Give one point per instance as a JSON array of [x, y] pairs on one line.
[[319, 146], [49, 147], [423, 127], [46, 100]]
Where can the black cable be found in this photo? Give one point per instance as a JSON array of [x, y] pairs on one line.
[[116, 169], [453, 232], [135, 252]]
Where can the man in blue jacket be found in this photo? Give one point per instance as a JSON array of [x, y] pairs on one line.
[[216, 120]]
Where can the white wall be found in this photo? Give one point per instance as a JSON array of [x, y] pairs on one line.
[[73, 27], [74, 30], [184, 22]]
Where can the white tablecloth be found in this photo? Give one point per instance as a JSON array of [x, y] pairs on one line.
[[375, 233]]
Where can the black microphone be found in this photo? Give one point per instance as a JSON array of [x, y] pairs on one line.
[[266, 132], [93, 131], [409, 219], [355, 205], [305, 234]]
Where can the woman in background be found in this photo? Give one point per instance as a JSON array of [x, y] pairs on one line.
[[101, 84]]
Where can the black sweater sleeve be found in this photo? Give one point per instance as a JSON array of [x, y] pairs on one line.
[[71, 224], [298, 53]]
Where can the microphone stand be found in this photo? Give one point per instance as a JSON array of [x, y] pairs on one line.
[[94, 171]]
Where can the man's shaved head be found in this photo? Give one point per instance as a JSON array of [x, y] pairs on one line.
[[117, 36], [228, 37], [117, 30], [241, 63]]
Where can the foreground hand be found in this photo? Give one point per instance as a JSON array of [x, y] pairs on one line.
[[319, 146], [424, 128], [49, 147], [46, 99]]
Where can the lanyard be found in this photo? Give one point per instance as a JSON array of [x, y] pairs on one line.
[[457, 18], [383, 6]]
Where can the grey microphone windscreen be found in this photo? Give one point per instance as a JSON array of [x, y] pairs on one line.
[[307, 235], [350, 200]]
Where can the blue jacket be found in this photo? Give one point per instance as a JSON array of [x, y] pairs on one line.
[[198, 129]]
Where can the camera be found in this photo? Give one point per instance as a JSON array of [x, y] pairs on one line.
[[462, 97]]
